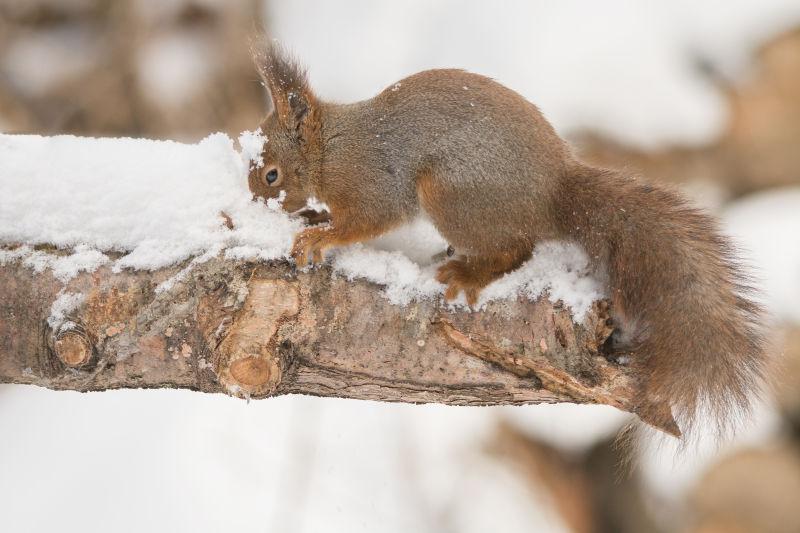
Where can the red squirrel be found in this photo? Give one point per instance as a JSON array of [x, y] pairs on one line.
[[490, 172]]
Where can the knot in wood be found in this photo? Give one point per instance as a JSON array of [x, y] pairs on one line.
[[73, 349], [249, 356], [253, 371]]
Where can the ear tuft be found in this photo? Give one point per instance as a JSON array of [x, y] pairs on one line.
[[292, 98]]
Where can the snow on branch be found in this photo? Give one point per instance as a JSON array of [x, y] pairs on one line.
[[136, 263], [254, 331]]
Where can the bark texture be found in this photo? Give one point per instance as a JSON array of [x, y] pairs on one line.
[[260, 330]]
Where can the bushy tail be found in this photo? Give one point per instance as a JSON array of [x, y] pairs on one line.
[[680, 299]]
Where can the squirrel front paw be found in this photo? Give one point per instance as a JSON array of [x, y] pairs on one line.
[[310, 244]]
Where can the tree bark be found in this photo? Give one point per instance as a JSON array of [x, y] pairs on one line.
[[260, 330]]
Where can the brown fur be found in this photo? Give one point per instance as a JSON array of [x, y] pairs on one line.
[[490, 172], [683, 303]]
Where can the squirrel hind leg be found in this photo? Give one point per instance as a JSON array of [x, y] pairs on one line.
[[626, 337], [471, 274]]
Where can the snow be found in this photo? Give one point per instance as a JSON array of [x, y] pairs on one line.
[[161, 203], [315, 205], [65, 303], [404, 279], [252, 144], [64, 267], [419, 241], [560, 270], [9, 256]]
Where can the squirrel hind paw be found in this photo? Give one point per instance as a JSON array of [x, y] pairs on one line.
[[459, 276], [470, 292]]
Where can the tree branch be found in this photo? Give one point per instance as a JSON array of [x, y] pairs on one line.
[[260, 330]]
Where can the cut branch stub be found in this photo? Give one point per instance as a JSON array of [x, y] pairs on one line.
[[249, 360], [73, 348]]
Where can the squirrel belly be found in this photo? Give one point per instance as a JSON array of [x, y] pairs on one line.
[[494, 178]]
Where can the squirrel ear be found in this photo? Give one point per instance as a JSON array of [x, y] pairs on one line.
[[292, 99]]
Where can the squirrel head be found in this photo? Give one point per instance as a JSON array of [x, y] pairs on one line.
[[291, 154]]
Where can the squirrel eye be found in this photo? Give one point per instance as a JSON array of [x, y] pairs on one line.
[[272, 176]]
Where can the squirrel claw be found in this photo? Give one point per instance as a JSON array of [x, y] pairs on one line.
[[451, 293], [458, 277], [471, 292]]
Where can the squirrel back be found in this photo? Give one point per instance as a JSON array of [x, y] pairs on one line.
[[490, 172]]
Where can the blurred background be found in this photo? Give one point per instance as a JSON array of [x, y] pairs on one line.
[[702, 95]]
